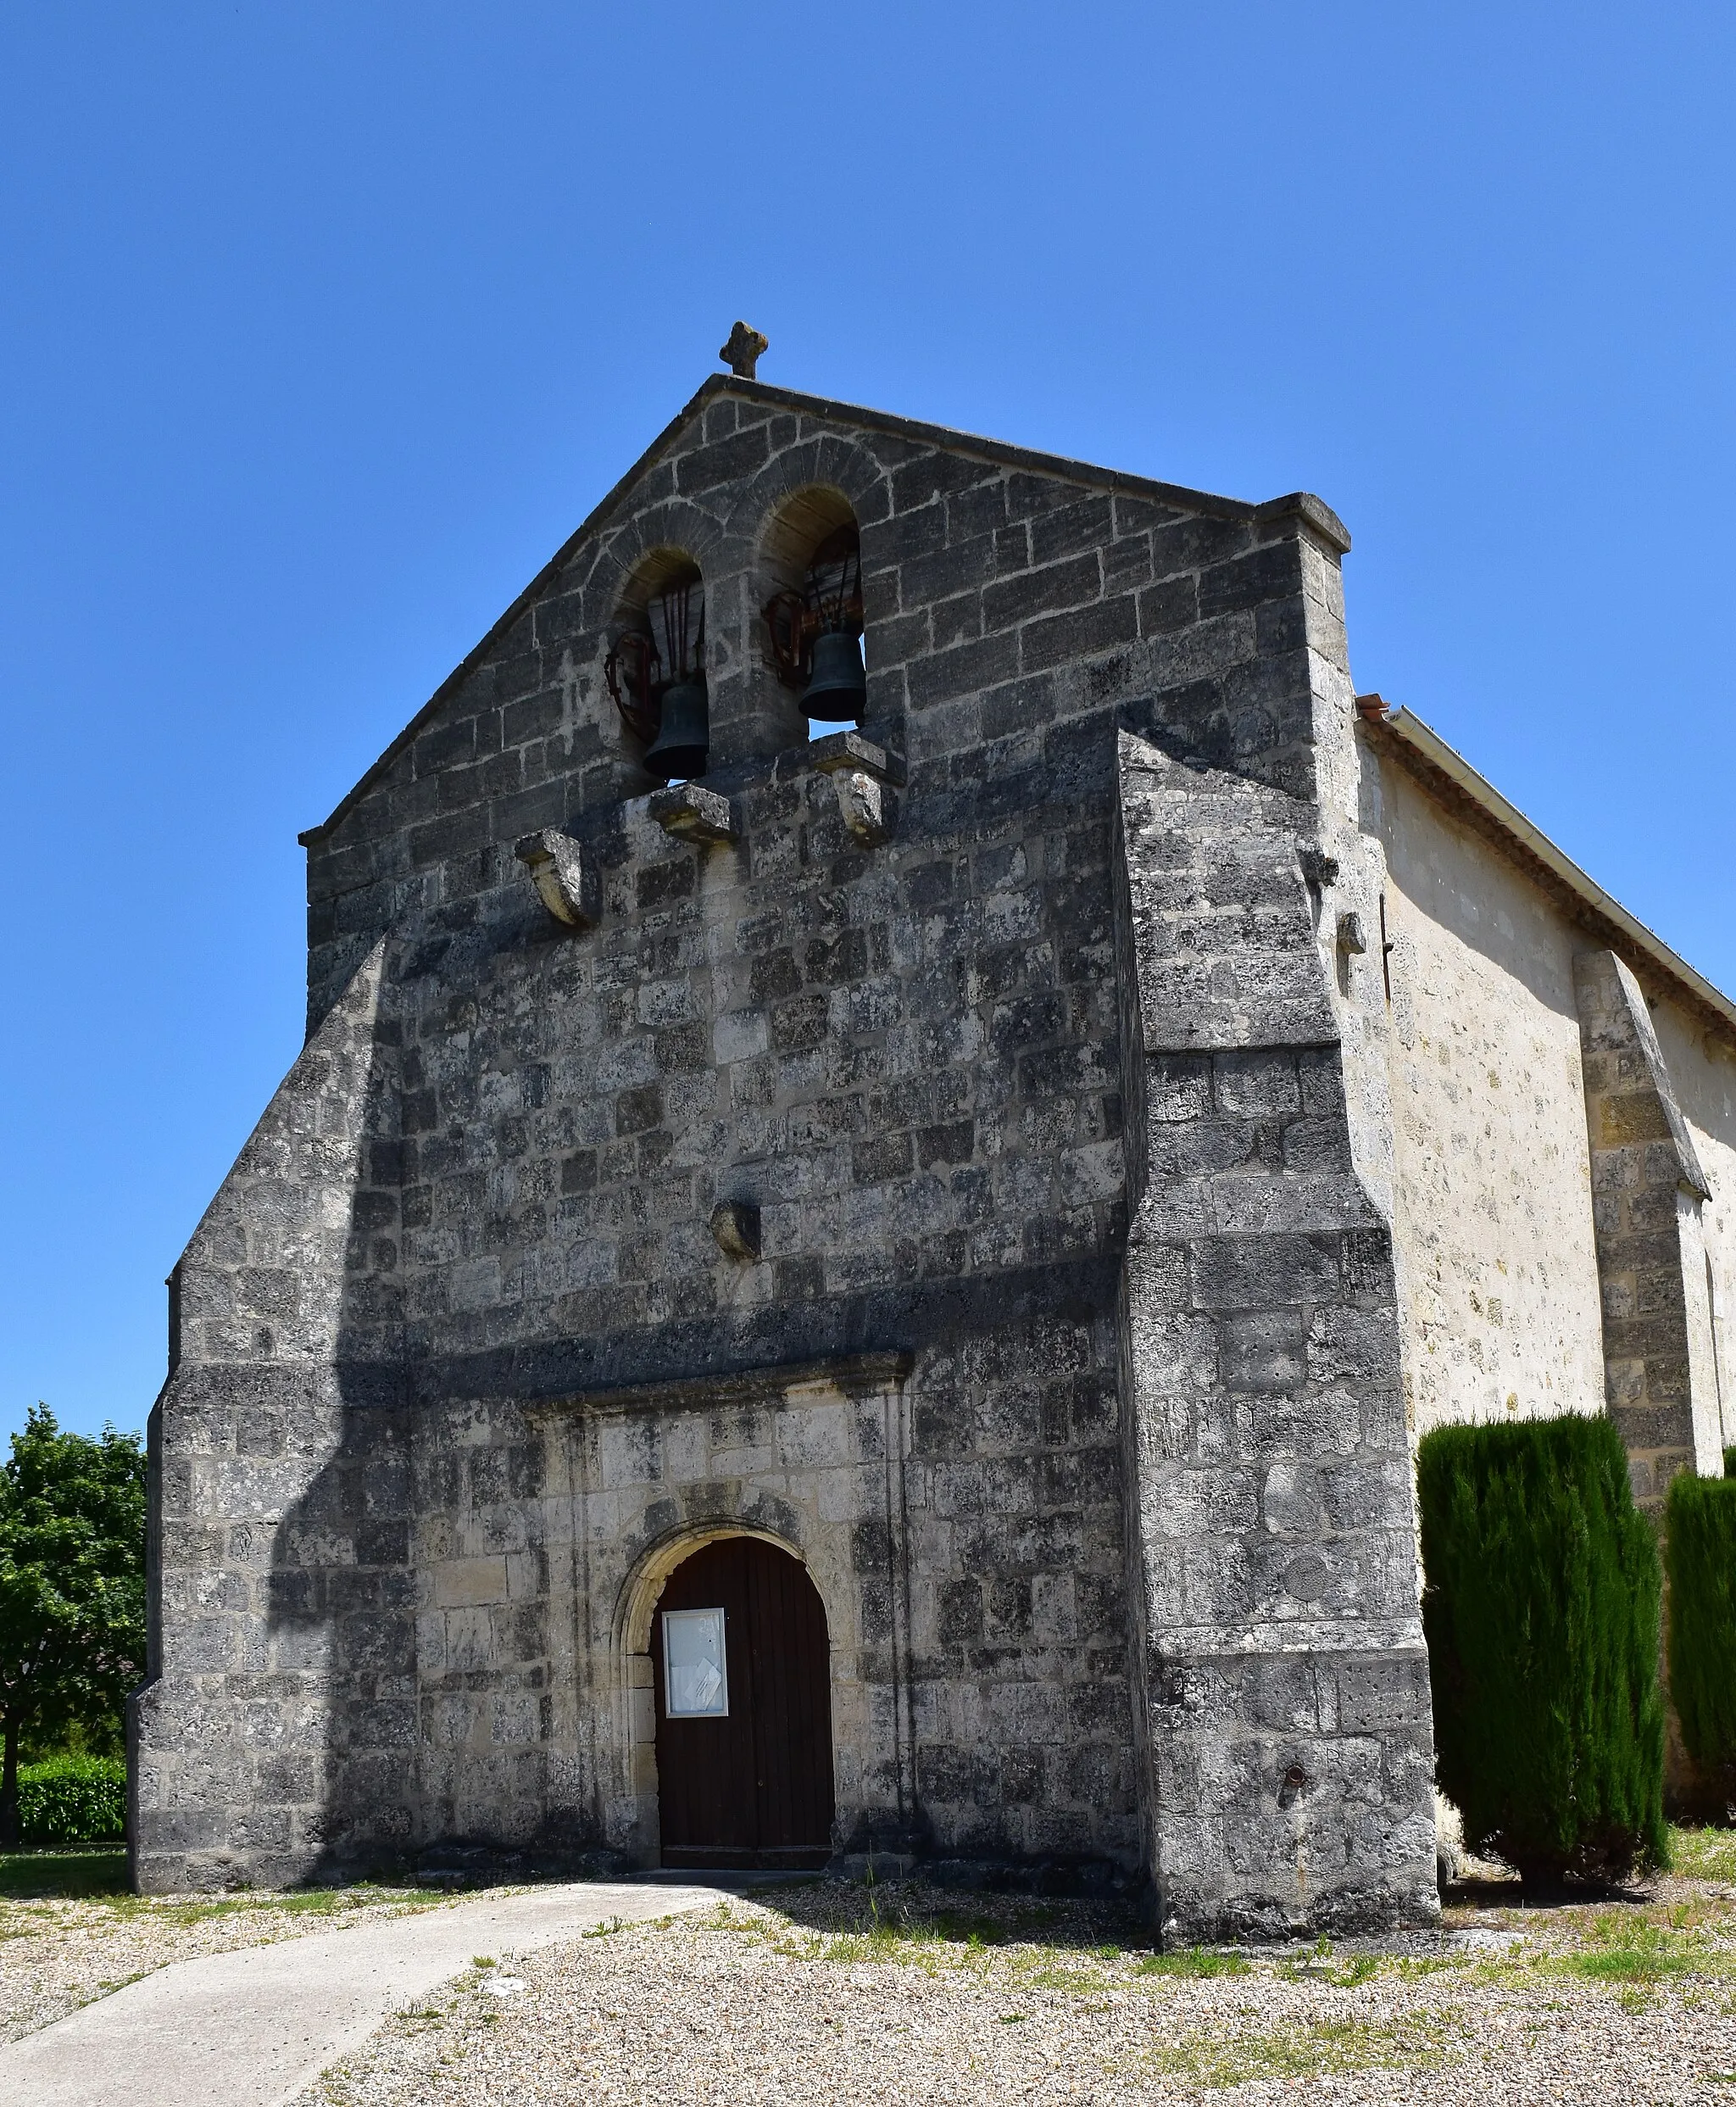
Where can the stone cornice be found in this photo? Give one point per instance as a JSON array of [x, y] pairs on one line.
[[856, 1374], [1455, 785]]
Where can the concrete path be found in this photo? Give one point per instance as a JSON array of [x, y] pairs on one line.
[[250, 2029]]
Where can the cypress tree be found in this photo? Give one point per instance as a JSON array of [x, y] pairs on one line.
[[1699, 1549], [1540, 1609]]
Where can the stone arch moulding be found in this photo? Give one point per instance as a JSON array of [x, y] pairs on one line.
[[794, 527], [670, 525], [830, 463], [647, 1581], [635, 1676], [810, 1458]]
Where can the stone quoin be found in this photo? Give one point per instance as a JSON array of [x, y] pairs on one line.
[[1039, 1158]]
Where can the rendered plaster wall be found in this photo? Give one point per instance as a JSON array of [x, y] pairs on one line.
[[1495, 1204]]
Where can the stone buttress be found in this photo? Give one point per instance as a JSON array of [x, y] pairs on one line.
[[1282, 1671]]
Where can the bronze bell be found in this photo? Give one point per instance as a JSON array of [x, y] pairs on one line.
[[838, 686], [683, 738]]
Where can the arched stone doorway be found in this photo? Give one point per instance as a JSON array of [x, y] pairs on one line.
[[741, 1683]]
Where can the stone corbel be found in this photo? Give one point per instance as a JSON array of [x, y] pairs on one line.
[[865, 777], [870, 809], [735, 1223], [1319, 869], [691, 813], [565, 875]]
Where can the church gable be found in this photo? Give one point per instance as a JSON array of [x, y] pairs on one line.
[[988, 574]]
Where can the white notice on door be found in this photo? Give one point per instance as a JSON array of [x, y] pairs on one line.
[[695, 1668]]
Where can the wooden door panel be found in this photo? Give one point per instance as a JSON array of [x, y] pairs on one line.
[[705, 1768], [755, 1787]]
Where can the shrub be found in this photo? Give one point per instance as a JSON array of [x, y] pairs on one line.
[[1540, 1609], [72, 1799], [1700, 1553]]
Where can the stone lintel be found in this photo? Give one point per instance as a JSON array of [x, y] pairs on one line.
[[857, 1375]]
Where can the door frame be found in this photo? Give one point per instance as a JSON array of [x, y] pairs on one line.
[[808, 1456], [643, 1592]]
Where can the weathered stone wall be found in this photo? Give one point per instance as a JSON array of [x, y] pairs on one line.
[[278, 1724], [1498, 1258], [908, 1054], [1702, 1069], [1284, 1672], [1648, 1188], [926, 1573]]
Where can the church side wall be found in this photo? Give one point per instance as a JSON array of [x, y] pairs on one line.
[[1494, 1212]]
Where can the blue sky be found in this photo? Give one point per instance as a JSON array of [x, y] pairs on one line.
[[321, 327]]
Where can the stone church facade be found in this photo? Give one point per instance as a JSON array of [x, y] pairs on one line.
[[1038, 1159]]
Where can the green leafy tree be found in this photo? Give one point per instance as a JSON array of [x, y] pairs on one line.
[[72, 1588]]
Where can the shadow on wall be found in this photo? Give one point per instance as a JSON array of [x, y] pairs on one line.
[[408, 1592], [343, 1607], [341, 1591]]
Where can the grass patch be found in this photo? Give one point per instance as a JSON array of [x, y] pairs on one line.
[[1704, 1855], [1631, 1964], [896, 1945], [1624, 1948], [895, 1930], [98, 1873], [894, 1936], [1317, 1965], [1193, 1961], [1325, 2048], [100, 1876], [295, 1902]]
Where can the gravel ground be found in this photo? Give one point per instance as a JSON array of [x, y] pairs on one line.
[[824, 1994], [57, 1955]]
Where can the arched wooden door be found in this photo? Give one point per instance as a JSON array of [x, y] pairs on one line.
[[743, 1713]]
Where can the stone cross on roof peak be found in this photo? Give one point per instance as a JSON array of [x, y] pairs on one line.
[[743, 350]]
